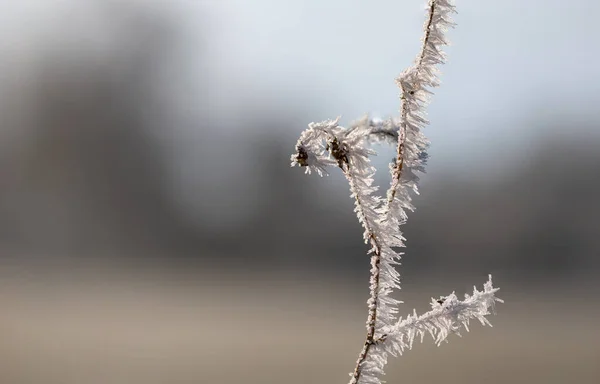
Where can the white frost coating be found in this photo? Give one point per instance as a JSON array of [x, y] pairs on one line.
[[448, 315], [327, 144]]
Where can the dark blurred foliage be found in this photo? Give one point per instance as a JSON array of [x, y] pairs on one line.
[[89, 176], [92, 177]]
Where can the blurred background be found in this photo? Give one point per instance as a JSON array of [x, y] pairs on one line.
[[152, 231]]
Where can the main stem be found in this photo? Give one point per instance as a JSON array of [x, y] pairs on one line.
[[396, 176], [372, 317], [375, 274]]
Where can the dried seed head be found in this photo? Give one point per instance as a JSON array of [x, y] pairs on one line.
[[339, 151], [301, 157]]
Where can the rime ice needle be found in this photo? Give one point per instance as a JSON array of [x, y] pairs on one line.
[[327, 144]]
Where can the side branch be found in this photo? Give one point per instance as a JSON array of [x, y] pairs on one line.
[[448, 315], [414, 95]]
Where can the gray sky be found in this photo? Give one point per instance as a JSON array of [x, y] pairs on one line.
[[510, 60]]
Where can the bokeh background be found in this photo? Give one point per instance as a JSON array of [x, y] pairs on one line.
[[151, 230]]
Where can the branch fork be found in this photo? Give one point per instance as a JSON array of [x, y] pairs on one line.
[[326, 144]]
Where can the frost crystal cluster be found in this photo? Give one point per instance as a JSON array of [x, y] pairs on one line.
[[328, 144]]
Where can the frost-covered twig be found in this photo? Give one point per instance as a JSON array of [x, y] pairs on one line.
[[325, 144], [448, 315]]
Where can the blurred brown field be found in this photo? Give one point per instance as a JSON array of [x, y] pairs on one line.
[[106, 325]]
